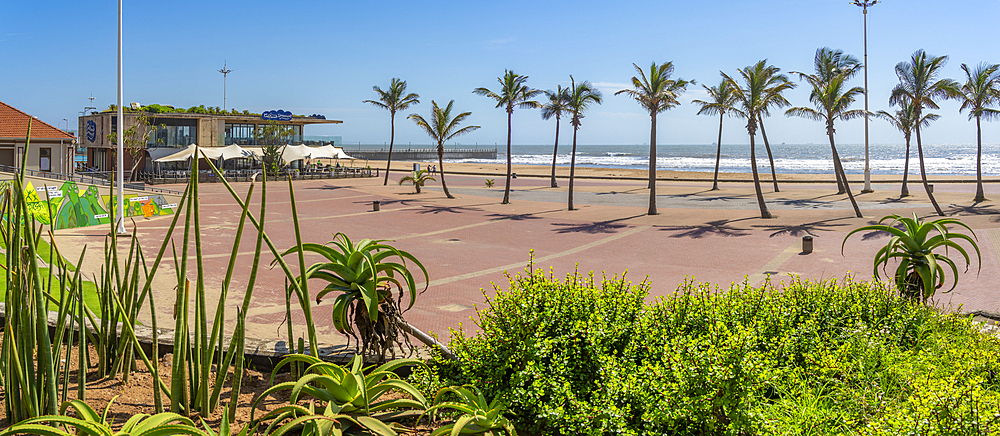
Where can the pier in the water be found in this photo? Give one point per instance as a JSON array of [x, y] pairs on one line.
[[403, 154]]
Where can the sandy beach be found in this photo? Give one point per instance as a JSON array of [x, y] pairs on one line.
[[562, 172]]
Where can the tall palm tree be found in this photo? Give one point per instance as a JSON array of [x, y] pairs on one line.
[[721, 101], [580, 98], [919, 84], [512, 93], [393, 99], [773, 98], [903, 121], [750, 102], [555, 104], [441, 128], [656, 93], [980, 91], [832, 99]]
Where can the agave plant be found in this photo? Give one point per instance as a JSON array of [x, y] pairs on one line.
[[478, 417], [366, 278], [418, 178], [89, 422], [355, 392], [305, 421], [920, 271]]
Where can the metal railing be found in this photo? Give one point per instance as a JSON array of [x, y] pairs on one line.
[[95, 179]]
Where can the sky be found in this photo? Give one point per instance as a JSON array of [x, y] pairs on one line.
[[324, 57]]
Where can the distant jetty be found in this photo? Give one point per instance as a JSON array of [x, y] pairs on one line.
[[421, 154]]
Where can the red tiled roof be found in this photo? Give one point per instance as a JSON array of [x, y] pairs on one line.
[[14, 124]]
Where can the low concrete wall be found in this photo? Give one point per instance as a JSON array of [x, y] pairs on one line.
[[422, 154]]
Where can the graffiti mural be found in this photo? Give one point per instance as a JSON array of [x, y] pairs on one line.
[[67, 206]]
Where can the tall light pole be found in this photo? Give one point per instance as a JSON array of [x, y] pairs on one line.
[[120, 216], [865, 4], [225, 72]]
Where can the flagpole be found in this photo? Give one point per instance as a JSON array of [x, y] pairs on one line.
[[120, 216]]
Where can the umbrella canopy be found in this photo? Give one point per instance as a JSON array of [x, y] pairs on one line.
[[330, 152], [228, 152]]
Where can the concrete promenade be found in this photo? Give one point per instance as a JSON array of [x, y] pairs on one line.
[[469, 242]]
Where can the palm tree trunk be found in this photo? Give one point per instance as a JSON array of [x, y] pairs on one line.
[[441, 166], [923, 170], [392, 138], [905, 192], [980, 195], [555, 152], [840, 170], [506, 190], [767, 146], [572, 170], [652, 165], [718, 155], [756, 180]]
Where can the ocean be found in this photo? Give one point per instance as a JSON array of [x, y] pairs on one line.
[[940, 159]]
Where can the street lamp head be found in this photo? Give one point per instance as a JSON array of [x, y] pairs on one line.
[[865, 3]]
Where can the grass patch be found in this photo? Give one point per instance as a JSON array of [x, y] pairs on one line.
[[590, 356]]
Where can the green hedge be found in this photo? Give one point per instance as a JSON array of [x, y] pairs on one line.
[[582, 356]]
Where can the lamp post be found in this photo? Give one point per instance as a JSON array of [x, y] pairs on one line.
[[225, 73], [120, 216], [865, 4]]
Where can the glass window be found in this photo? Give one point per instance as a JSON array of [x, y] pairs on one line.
[[45, 159], [239, 134]]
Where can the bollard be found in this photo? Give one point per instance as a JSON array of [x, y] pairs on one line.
[[807, 244], [930, 189], [513, 175], [375, 205]]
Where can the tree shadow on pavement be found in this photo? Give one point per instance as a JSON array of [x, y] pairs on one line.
[[717, 228], [805, 228], [450, 209], [974, 209], [511, 217], [384, 202], [597, 227]]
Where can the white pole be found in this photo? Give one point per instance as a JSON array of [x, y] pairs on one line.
[[868, 174], [120, 216]]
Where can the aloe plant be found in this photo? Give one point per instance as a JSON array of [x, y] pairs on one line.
[[920, 271], [305, 421], [366, 278], [88, 421], [477, 417], [355, 392]]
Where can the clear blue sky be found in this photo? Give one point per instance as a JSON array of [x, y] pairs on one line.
[[323, 57]]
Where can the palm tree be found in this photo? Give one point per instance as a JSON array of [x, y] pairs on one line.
[[750, 102], [656, 93], [393, 99], [580, 98], [903, 121], [773, 98], [980, 91], [721, 101], [832, 99], [418, 178], [555, 106], [441, 128], [513, 92], [919, 84]]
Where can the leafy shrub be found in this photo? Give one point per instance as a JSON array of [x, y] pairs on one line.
[[578, 356]]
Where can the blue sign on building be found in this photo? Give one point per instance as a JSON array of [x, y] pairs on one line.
[[91, 131], [278, 115]]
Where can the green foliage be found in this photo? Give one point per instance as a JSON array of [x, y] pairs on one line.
[[354, 392], [418, 179], [920, 271], [489, 183], [272, 138], [365, 276], [478, 416], [87, 421], [581, 356]]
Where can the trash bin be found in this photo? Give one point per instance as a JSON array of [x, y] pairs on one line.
[[930, 188], [807, 244], [375, 206]]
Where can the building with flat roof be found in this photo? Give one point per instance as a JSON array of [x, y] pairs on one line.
[[50, 149], [174, 130]]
